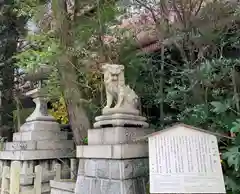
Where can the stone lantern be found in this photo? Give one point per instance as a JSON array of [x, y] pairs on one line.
[[39, 140], [40, 116]]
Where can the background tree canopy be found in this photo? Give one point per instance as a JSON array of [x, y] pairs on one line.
[[12, 28]]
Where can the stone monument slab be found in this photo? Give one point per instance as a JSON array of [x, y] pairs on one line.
[[183, 159]]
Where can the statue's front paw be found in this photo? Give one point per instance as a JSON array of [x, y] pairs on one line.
[[106, 107], [117, 105]]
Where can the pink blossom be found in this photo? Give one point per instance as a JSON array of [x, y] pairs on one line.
[[107, 39]]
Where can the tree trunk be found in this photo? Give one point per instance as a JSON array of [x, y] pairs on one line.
[[66, 65]]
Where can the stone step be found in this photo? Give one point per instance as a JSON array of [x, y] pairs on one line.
[[20, 145], [28, 189], [40, 126], [36, 154], [39, 135], [38, 145], [62, 187], [62, 144], [117, 151]]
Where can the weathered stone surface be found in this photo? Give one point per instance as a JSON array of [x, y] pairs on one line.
[[51, 145], [90, 185], [40, 113], [120, 122], [127, 100], [59, 191], [120, 116], [45, 188], [119, 119], [116, 135], [113, 169], [36, 154], [125, 110], [118, 151], [48, 174], [62, 187], [39, 135], [39, 145], [27, 168], [40, 126], [21, 145]]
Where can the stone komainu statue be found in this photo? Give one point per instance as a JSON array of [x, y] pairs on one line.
[[116, 90]]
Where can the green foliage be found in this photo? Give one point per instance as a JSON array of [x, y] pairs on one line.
[[220, 107], [232, 157], [42, 49], [12, 28], [27, 8], [236, 126], [200, 88]]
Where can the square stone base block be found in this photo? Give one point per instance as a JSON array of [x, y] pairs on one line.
[[112, 176], [116, 135], [38, 145], [90, 185], [113, 169], [39, 135], [118, 151], [40, 126]]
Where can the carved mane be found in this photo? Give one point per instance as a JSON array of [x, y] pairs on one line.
[[112, 69]]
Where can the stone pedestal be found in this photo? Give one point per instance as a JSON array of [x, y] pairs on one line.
[[39, 141], [112, 162]]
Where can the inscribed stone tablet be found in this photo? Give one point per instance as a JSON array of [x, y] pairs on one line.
[[185, 161]]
